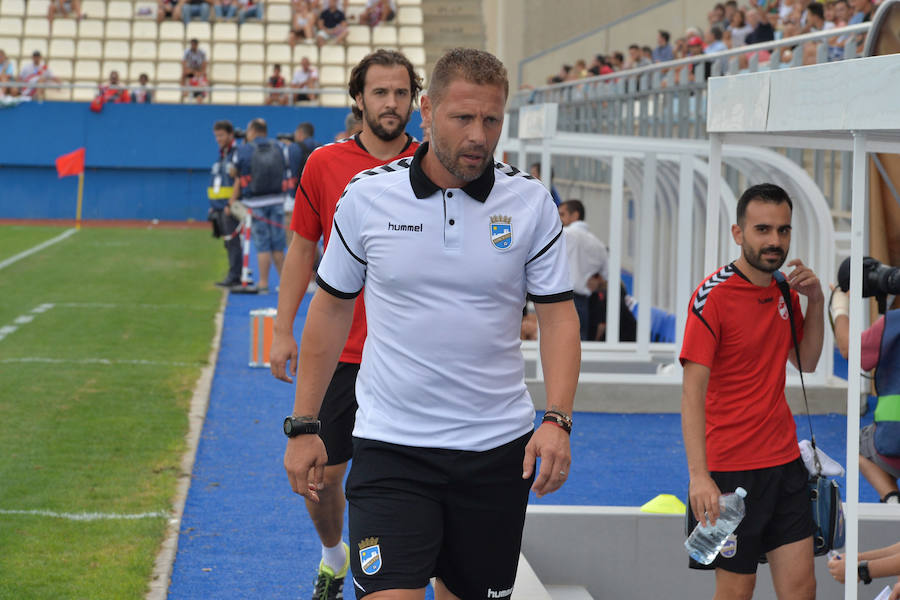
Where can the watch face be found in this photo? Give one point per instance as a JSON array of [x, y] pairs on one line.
[[287, 426]]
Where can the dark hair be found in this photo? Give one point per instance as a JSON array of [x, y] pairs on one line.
[[384, 58], [719, 6], [474, 66], [225, 126], [732, 3], [194, 41], [647, 50], [276, 66], [259, 126], [619, 56], [575, 206], [634, 47], [307, 128], [665, 35], [716, 32], [763, 192], [816, 8]]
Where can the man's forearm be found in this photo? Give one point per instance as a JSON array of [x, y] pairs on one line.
[[326, 330], [560, 347], [693, 417], [813, 335], [295, 276]]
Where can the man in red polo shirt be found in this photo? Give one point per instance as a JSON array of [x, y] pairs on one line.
[[384, 86], [738, 429]]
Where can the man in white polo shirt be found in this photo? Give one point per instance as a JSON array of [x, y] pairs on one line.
[[449, 245]]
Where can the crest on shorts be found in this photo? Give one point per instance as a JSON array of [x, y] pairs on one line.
[[370, 555], [782, 308], [501, 231], [730, 547]]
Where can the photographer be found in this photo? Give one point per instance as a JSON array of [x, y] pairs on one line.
[[879, 443], [221, 183]]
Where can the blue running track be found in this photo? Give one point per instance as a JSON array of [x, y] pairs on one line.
[[246, 535]]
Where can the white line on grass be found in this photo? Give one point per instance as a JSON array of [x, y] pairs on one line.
[[96, 361], [126, 305], [94, 516], [35, 249]]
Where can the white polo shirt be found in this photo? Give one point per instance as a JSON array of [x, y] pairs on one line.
[[587, 256], [446, 275]]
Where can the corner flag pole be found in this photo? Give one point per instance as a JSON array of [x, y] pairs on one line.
[[80, 196]]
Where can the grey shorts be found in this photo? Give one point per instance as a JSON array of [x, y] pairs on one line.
[[867, 449]]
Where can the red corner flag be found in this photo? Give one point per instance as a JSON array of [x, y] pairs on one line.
[[71, 163]]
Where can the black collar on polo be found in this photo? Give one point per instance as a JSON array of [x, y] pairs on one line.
[[424, 187]]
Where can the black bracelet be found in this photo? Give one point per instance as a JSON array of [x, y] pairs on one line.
[[553, 417]]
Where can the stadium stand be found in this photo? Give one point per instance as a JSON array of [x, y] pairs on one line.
[[123, 34]]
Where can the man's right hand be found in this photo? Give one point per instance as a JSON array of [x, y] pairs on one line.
[[304, 461], [704, 496], [283, 356]]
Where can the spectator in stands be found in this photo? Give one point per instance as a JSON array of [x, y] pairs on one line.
[[663, 50], [305, 78], [378, 11], [352, 126], [694, 46], [762, 29], [249, 9], [829, 11], [739, 29], [36, 72], [816, 17], [716, 17], [259, 168], [168, 9], [647, 54], [587, 257], [535, 171], [192, 10], [226, 9], [7, 73], [64, 8], [193, 64], [579, 71], [562, 76], [617, 61], [332, 25], [680, 50], [714, 41], [636, 58], [276, 81], [114, 92], [731, 7], [303, 23], [141, 93], [841, 19]]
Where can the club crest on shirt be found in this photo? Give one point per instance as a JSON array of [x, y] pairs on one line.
[[501, 231], [370, 555], [782, 308], [730, 547]]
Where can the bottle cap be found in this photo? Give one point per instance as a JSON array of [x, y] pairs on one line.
[[741, 492]]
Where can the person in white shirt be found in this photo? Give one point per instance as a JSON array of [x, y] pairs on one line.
[[305, 78], [587, 258]]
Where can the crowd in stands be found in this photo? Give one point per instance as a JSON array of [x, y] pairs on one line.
[[729, 26], [317, 22]]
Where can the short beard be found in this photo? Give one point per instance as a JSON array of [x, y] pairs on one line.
[[448, 163], [756, 261], [382, 132]]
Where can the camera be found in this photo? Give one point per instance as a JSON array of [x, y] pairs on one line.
[[239, 133], [878, 279], [285, 137]]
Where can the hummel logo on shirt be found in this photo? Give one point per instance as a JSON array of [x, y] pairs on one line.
[[765, 300], [395, 227]]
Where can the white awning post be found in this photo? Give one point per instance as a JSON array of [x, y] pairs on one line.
[[713, 197], [616, 224], [685, 236], [859, 210], [646, 234]]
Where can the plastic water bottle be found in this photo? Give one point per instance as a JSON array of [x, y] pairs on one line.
[[705, 543]]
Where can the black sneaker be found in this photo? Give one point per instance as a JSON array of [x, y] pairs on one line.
[[330, 585], [227, 283]]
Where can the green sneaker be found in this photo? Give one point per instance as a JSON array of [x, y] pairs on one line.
[[330, 585]]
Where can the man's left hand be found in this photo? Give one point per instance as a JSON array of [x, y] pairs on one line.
[[551, 443], [805, 281]]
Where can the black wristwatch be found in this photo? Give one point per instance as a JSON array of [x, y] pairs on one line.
[[863, 571], [294, 426]]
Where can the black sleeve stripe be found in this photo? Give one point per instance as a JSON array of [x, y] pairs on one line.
[[343, 241], [560, 297], [336, 293], [547, 247], [308, 201]]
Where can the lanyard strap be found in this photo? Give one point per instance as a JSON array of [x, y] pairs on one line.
[[786, 292]]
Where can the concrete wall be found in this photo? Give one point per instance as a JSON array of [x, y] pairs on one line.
[[142, 161], [517, 29], [619, 552]]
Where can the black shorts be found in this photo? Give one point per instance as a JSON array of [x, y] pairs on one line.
[[417, 513], [778, 513], [338, 413]]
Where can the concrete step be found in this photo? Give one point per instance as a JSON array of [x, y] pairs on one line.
[[528, 586], [568, 592], [443, 10]]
